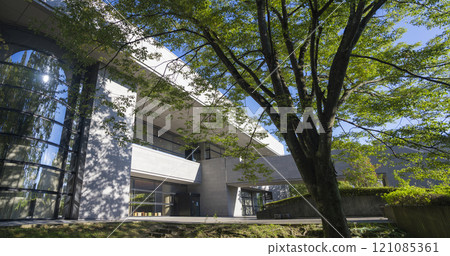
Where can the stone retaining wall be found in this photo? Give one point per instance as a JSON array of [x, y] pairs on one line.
[[360, 206], [421, 221]]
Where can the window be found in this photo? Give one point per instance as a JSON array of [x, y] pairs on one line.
[[252, 201], [36, 134], [168, 142], [247, 203], [149, 198], [212, 151]]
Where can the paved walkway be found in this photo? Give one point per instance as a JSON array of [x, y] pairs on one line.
[[190, 220], [248, 220]]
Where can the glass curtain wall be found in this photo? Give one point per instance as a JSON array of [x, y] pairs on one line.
[[36, 134], [252, 202], [147, 199], [247, 203]]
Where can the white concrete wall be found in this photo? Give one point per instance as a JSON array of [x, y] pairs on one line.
[[106, 184], [234, 202], [213, 190], [284, 164], [154, 164]]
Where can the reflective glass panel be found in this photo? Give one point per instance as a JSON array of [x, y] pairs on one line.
[[30, 126], [44, 206], [26, 101], [15, 205], [34, 93], [146, 201], [28, 150]]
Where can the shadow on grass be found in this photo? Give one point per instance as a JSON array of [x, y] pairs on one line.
[[169, 230]]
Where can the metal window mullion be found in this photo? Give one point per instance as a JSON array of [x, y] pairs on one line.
[[33, 190], [34, 164], [36, 139], [78, 163], [36, 115], [41, 93], [66, 136], [31, 69]]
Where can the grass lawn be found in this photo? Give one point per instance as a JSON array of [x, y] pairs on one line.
[[151, 229]]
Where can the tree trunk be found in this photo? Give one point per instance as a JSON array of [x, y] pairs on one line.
[[328, 200], [318, 173]]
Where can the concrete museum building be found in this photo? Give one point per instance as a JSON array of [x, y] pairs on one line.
[[57, 163]]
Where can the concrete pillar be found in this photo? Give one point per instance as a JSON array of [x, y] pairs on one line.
[[106, 183]]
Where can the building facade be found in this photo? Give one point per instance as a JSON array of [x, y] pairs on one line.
[[58, 161]]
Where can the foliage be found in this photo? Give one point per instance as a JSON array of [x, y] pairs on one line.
[[301, 188], [343, 184], [417, 196], [289, 200], [433, 176], [376, 231], [441, 189], [367, 191], [297, 189], [411, 166], [374, 93], [361, 173]]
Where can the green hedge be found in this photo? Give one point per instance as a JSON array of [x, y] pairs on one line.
[[286, 200], [375, 191], [416, 196]]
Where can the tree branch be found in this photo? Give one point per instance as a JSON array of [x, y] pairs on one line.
[[355, 26], [428, 148], [348, 92], [196, 49], [324, 8], [401, 69], [147, 37], [258, 82], [297, 70], [261, 100], [281, 91]]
